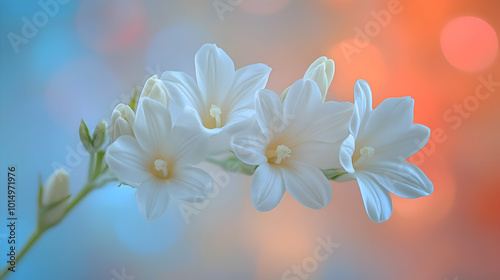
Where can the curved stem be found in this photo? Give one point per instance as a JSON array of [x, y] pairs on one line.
[[83, 193], [89, 186], [33, 238]]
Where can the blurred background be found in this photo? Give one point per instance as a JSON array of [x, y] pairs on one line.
[[67, 60]]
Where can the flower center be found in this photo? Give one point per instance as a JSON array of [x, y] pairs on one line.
[[215, 113], [161, 168], [279, 154], [367, 152]]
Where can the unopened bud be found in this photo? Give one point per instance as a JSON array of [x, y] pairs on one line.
[[155, 89], [85, 136], [54, 198], [100, 135], [321, 71], [122, 121]]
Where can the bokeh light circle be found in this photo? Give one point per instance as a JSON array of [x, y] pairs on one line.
[[469, 43], [263, 7]]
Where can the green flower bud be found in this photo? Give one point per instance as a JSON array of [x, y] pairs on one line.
[[85, 136], [100, 135]]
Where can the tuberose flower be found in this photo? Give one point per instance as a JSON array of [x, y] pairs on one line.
[[376, 150], [158, 160], [321, 71], [291, 142], [222, 97], [122, 120]]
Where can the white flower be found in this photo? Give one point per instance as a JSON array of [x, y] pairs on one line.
[[291, 143], [222, 97], [155, 89], [56, 188], [321, 71], [158, 160], [122, 120], [374, 153]]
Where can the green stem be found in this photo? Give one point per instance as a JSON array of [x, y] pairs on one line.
[[91, 167], [83, 193], [33, 238], [92, 184]]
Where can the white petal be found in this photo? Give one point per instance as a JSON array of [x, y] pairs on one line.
[[362, 106], [240, 119], [325, 122], [187, 145], [152, 199], [307, 184], [378, 203], [183, 91], [303, 97], [269, 111], [190, 184], [250, 146], [214, 72], [247, 82], [128, 160], [346, 152], [152, 125], [401, 178], [408, 144], [390, 120], [187, 142], [267, 187]]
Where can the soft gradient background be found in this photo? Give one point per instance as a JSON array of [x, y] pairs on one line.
[[86, 56]]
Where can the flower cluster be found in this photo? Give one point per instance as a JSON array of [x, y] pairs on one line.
[[295, 143]]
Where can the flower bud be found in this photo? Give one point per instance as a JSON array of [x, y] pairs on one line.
[[122, 121], [155, 89], [321, 71], [99, 136], [54, 198], [85, 136]]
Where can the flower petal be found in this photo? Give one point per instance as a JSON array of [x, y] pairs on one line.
[[390, 120], [267, 187], [378, 203], [152, 125], [183, 90], [303, 97], [187, 142], [247, 82], [250, 146], [326, 122], [307, 184], [362, 106], [408, 144], [269, 111], [152, 199], [214, 72], [190, 184], [402, 178], [128, 160], [346, 152]]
